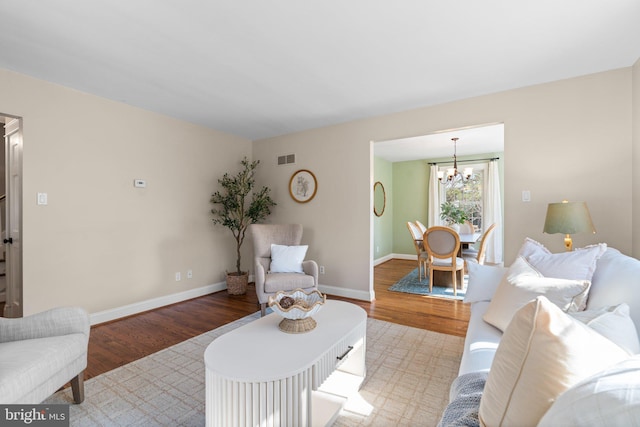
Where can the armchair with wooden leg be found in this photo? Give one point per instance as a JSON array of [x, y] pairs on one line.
[[442, 245], [41, 353], [279, 261]]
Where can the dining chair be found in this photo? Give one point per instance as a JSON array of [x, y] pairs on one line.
[[422, 228], [442, 245], [478, 256], [421, 254], [467, 228]]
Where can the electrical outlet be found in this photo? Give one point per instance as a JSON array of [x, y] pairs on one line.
[[178, 277], [322, 269], [189, 274]]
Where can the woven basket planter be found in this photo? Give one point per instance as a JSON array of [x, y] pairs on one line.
[[237, 284]]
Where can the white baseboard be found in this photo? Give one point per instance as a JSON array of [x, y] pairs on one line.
[[139, 307], [346, 293], [383, 259], [412, 257]]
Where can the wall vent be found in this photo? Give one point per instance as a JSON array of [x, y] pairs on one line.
[[286, 159]]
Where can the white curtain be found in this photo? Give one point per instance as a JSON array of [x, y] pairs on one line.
[[434, 197], [493, 214]]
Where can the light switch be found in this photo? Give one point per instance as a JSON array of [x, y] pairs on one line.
[[526, 195], [42, 198]]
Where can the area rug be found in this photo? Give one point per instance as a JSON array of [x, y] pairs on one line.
[[409, 372], [411, 284]]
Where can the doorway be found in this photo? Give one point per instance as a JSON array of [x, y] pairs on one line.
[[11, 218], [405, 164]]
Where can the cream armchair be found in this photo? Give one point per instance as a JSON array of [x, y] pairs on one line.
[[41, 353], [269, 282]]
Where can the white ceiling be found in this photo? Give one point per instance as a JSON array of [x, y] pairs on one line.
[[476, 140], [261, 68]]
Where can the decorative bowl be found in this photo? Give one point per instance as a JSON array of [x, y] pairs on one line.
[[296, 307]]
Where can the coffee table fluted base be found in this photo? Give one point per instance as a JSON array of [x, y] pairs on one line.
[[279, 386]]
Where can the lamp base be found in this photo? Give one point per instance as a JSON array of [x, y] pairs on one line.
[[568, 244]]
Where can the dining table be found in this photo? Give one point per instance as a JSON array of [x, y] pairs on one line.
[[468, 239]]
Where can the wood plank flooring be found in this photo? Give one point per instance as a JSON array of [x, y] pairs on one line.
[[117, 343]]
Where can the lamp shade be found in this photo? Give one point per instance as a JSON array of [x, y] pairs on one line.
[[568, 218]]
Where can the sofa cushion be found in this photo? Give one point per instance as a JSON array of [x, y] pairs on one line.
[[610, 397], [522, 283], [287, 259], [483, 281], [616, 280], [480, 343], [613, 323], [578, 264], [542, 353]]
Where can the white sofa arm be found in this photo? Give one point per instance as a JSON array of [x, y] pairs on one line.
[[50, 323]]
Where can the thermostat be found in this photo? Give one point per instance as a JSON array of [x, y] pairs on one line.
[[139, 183]]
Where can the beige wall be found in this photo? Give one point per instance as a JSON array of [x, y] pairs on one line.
[[636, 158], [100, 243], [562, 140]]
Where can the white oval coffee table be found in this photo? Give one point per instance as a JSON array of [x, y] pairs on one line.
[[257, 375]]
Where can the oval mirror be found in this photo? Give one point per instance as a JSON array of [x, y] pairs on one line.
[[379, 199]]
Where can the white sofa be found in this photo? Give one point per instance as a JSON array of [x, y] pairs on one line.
[[616, 280], [41, 353]]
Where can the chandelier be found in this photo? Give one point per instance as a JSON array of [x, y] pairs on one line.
[[453, 174]]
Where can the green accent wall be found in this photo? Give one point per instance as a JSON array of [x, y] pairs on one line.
[[411, 191], [383, 225]]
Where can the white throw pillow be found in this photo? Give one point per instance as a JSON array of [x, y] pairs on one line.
[[522, 283], [542, 353], [608, 398], [579, 264], [613, 323], [483, 281], [287, 259]]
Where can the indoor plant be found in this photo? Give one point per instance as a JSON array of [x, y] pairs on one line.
[[452, 214], [236, 213]]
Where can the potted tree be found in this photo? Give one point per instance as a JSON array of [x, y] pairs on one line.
[[235, 212], [453, 215]]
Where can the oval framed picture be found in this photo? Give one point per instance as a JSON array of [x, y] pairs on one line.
[[303, 186]]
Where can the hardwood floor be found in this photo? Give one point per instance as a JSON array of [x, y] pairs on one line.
[[117, 343]]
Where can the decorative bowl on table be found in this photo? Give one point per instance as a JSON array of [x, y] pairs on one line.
[[296, 307]]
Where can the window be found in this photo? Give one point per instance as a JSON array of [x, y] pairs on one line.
[[467, 194]]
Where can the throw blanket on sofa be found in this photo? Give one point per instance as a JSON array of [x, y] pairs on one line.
[[464, 400]]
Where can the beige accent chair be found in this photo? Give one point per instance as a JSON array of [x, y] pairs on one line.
[[442, 245], [421, 255], [268, 283], [41, 353], [478, 256]]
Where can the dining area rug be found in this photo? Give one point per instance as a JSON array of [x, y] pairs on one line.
[[411, 284]]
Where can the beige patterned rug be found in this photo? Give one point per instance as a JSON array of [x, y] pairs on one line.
[[409, 372]]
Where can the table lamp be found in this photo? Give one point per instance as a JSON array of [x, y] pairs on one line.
[[568, 218]]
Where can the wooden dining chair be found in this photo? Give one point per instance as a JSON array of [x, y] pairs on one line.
[[421, 254], [422, 227], [479, 255], [442, 245]]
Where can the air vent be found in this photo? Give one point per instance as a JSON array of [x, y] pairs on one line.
[[286, 159]]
